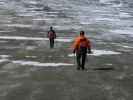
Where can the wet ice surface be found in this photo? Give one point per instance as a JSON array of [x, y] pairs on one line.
[[30, 70]]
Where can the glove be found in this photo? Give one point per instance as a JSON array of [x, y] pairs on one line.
[[89, 51], [74, 51]]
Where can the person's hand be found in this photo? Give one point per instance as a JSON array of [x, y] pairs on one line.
[[89, 51], [74, 51]]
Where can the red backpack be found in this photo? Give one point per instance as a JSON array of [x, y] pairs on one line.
[[83, 43], [51, 34]]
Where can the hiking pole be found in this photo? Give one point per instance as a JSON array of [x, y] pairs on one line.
[[74, 59]]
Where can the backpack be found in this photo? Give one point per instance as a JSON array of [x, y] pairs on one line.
[[83, 45], [51, 34]]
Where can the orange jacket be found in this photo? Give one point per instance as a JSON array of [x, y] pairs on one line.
[[77, 41]]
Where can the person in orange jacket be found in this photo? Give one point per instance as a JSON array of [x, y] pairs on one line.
[[81, 47]]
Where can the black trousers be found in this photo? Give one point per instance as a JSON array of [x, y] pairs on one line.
[[51, 43], [81, 58]]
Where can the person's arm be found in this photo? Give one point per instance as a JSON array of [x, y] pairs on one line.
[[48, 34], [74, 50], [54, 34], [75, 45], [89, 47]]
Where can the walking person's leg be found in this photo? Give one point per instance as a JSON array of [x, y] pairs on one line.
[[51, 43], [78, 57], [83, 61]]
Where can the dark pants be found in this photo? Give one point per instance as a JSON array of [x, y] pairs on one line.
[[81, 57], [51, 43]]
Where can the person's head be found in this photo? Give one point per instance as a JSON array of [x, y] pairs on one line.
[[82, 33], [51, 28]]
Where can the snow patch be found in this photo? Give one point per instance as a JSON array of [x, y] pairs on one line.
[[126, 46], [31, 56], [124, 15], [5, 56], [3, 60], [100, 53], [30, 47], [60, 39], [18, 25], [123, 31], [107, 19], [33, 63]]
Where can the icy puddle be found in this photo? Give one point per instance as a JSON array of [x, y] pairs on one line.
[[60, 39], [100, 53]]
